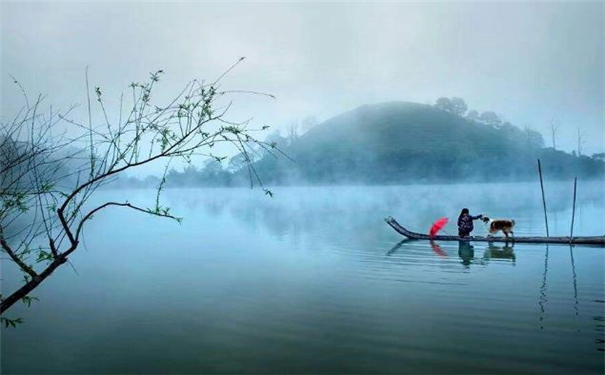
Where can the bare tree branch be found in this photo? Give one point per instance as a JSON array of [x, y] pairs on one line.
[[50, 179]]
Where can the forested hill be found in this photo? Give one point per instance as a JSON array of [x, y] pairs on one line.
[[400, 142], [406, 142]]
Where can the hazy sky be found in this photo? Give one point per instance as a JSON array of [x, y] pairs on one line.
[[529, 62]]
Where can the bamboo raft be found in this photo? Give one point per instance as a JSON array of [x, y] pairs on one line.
[[586, 240]]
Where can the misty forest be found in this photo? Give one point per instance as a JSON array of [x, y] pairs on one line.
[[302, 188]]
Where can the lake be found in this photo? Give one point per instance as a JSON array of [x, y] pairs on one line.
[[313, 281]]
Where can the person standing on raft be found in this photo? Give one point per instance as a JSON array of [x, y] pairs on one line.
[[465, 223]]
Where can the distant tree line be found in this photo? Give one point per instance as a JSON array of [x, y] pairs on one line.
[[458, 107], [234, 172]]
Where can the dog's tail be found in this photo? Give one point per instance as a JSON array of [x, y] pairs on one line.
[[512, 222]]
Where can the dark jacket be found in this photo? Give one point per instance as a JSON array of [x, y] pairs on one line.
[[465, 223]]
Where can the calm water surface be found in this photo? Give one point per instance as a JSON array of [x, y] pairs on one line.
[[313, 281]]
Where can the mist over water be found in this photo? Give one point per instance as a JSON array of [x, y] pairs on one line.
[[313, 280], [344, 113]]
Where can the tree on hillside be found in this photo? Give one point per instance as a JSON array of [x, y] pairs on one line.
[[236, 163], [472, 115], [188, 177], [212, 167], [444, 104], [188, 125], [534, 138], [458, 105], [274, 140], [509, 128], [490, 118]]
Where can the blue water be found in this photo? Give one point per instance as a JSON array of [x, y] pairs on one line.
[[313, 281]]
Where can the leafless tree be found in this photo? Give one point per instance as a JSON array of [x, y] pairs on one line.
[[293, 131], [57, 206], [581, 133], [32, 169], [554, 127]]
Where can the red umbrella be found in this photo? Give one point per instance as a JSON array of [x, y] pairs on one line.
[[437, 226]]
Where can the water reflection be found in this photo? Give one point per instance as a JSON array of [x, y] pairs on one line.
[[466, 252], [438, 250], [600, 328], [500, 252], [344, 225], [398, 245], [575, 281], [300, 281], [542, 300]]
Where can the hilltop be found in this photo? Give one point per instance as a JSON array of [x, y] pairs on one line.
[[402, 141]]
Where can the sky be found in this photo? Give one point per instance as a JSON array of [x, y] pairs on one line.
[[531, 62]]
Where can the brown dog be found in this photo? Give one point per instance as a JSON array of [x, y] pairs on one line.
[[496, 225]]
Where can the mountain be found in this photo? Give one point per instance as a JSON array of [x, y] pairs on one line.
[[407, 142]]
